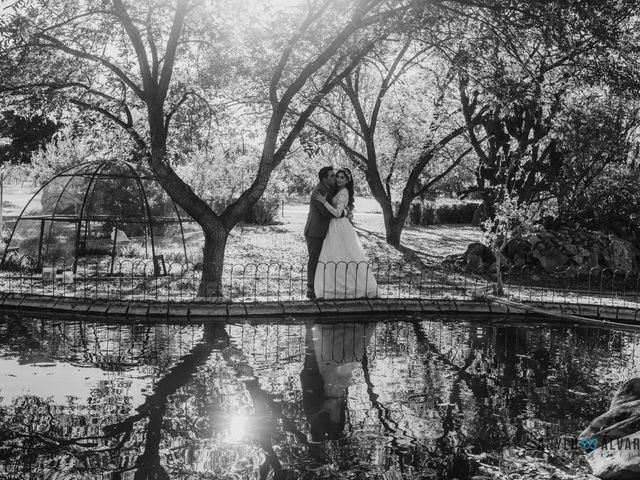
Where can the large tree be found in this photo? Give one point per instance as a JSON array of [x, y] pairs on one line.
[[396, 119], [139, 63]]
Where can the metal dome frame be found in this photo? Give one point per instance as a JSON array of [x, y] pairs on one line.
[[102, 170]]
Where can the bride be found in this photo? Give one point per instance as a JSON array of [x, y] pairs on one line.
[[343, 270]]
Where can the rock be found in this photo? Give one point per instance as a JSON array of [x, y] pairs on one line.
[[615, 436], [577, 260], [474, 263], [619, 255], [505, 262], [519, 261], [518, 246], [583, 252], [592, 260], [629, 391], [619, 421], [550, 259], [534, 239], [570, 250], [617, 463], [482, 251]]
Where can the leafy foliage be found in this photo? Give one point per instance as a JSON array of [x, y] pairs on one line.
[[512, 219], [20, 136], [598, 184], [523, 64]]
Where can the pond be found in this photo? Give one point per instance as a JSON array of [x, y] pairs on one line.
[[409, 397]]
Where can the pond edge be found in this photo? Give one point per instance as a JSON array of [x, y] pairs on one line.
[[197, 312]]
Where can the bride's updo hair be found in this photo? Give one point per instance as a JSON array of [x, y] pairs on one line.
[[347, 173]]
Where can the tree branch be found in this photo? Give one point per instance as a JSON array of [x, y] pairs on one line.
[[55, 43], [182, 8], [126, 126], [136, 41], [284, 58], [386, 83]]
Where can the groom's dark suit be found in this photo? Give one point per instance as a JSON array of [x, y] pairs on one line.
[[316, 230]]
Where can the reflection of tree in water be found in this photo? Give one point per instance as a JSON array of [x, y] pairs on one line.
[[399, 399], [43, 437]]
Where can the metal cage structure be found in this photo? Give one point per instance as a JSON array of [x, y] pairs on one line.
[[98, 209]]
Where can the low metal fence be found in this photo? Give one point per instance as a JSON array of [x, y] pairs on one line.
[[157, 280]]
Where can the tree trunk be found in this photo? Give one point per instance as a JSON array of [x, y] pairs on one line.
[[215, 244], [393, 228], [394, 231], [215, 231], [500, 286], [394, 224]]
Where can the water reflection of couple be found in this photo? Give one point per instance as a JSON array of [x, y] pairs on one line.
[[333, 353], [337, 266]]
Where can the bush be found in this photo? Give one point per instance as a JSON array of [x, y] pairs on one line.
[[263, 212], [430, 213], [415, 213], [446, 214]]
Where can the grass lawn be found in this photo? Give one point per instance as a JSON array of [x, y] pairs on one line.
[[285, 242]]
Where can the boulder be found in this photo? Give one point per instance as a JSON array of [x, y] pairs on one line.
[[534, 239], [578, 260], [583, 252], [519, 261], [619, 255], [550, 259], [474, 263], [592, 260], [482, 251], [570, 250], [518, 246], [620, 460], [614, 436]]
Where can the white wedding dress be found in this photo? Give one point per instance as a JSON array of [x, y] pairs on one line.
[[343, 270]]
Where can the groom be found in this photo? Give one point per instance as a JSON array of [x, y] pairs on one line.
[[317, 224]]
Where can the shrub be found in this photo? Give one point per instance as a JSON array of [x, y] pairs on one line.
[[446, 213], [467, 211], [19, 262], [263, 212], [428, 214], [415, 213], [133, 250]]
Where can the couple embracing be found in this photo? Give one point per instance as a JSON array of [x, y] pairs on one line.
[[337, 266]]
